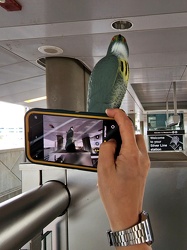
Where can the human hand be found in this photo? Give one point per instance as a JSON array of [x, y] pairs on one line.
[[121, 181]]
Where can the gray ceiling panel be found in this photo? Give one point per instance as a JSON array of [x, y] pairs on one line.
[[158, 41], [8, 58], [22, 86], [154, 96], [19, 71], [156, 60], [155, 106], [157, 74], [74, 46]]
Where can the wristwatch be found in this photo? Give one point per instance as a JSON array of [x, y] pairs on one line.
[[138, 234]]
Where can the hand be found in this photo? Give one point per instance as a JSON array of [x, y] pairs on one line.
[[122, 181]]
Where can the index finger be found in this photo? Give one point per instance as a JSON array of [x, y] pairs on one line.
[[125, 126]]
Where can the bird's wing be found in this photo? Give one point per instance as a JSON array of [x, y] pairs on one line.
[[101, 84]]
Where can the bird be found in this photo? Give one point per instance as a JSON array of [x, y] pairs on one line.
[[108, 81]]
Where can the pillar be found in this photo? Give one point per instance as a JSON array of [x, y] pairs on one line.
[[66, 83], [59, 142], [132, 117], [86, 144]]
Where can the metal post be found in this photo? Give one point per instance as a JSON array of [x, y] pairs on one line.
[[25, 215], [167, 108], [174, 98]]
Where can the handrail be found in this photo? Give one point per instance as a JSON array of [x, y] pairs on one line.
[[25, 215]]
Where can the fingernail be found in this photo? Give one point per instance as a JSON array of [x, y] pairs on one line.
[[123, 110]]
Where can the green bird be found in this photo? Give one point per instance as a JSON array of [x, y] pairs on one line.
[[108, 81]]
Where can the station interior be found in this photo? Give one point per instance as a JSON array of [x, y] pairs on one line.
[[48, 50]]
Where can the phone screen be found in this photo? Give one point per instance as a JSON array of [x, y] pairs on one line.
[[67, 141]]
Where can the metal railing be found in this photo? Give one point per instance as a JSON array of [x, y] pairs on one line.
[[25, 215]]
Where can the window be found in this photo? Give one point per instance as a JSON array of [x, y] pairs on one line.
[[11, 126]]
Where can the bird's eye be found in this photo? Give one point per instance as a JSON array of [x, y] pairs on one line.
[[114, 38]]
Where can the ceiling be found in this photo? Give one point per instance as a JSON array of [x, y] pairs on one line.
[[157, 43], [81, 128]]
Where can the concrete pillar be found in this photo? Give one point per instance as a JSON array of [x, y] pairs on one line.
[[142, 127], [132, 117], [86, 144], [59, 142], [66, 84]]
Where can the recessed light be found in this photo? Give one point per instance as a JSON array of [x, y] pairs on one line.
[[36, 99], [121, 25], [50, 50]]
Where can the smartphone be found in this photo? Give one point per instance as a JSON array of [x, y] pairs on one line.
[[67, 139]]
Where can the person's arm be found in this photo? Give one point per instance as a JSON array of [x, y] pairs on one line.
[[121, 181]]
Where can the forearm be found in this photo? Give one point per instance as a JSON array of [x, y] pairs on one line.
[[121, 183]]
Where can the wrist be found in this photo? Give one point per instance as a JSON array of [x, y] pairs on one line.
[[124, 222], [138, 234], [125, 218], [137, 247]]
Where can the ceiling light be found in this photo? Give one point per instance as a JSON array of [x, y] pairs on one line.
[[2, 1], [36, 99], [121, 25], [50, 50]]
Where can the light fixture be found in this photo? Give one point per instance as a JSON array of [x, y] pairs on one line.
[[10, 5], [50, 50], [36, 99], [172, 120], [121, 25]]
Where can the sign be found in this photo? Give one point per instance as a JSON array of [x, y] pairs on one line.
[[165, 142], [166, 132]]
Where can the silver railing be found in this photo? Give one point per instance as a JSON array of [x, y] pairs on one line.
[[24, 216]]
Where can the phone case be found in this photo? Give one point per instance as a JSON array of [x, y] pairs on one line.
[[71, 154]]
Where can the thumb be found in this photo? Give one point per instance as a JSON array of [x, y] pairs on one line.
[[106, 159]]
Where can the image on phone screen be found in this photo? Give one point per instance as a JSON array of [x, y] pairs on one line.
[[66, 140]]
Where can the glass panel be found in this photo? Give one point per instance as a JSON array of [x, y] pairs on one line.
[[47, 241]]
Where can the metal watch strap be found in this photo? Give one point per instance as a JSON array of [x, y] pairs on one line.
[[140, 233]]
